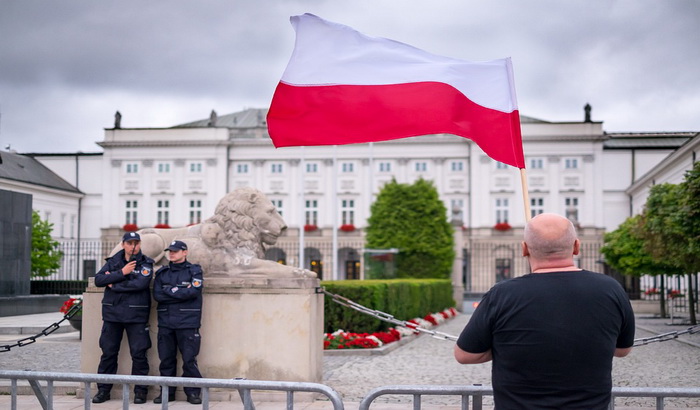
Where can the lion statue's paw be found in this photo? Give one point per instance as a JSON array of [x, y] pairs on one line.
[[305, 273]]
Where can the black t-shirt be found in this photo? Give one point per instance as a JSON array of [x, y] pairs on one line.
[[552, 337]]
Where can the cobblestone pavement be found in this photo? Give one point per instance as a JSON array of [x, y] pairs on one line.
[[428, 361]]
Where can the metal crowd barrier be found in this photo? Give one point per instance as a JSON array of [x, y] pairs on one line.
[[243, 386], [473, 393], [477, 393]]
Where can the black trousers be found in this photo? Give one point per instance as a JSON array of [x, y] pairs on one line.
[[139, 343], [188, 341]]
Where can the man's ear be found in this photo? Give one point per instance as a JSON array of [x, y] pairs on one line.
[[526, 252], [577, 246]]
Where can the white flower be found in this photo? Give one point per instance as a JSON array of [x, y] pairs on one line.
[[376, 340], [422, 322], [438, 317], [404, 331]]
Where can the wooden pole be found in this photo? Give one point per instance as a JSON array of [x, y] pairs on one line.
[[526, 195]]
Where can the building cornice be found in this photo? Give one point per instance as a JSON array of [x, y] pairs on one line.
[[192, 143], [689, 147]]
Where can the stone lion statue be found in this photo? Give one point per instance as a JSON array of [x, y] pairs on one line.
[[232, 242]]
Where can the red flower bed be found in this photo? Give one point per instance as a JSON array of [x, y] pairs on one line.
[[347, 227], [162, 226], [130, 228], [346, 340], [502, 226], [310, 228], [675, 294], [68, 304]]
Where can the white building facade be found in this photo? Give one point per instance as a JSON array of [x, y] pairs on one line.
[[175, 177]]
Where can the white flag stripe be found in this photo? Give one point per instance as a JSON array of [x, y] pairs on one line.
[[328, 53]]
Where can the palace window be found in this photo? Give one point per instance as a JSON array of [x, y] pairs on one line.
[[502, 209], [279, 205], [276, 168], [571, 163], [311, 212], [347, 212], [536, 206], [163, 168], [195, 211], [571, 209], [163, 212], [131, 215], [132, 168]]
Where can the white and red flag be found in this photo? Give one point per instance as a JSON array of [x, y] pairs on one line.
[[343, 87]]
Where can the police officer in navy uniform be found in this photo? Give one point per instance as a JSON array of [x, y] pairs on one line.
[[178, 290], [126, 306]]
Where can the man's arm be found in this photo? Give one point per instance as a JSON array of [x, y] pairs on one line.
[[105, 278], [622, 352], [463, 357], [140, 280]]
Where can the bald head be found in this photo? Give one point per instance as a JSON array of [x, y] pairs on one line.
[[550, 237]]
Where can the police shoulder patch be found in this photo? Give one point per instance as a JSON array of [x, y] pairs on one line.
[[146, 270], [197, 283]]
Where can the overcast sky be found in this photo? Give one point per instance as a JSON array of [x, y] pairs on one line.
[[66, 67]]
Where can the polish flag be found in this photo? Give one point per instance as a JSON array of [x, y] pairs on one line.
[[343, 87]]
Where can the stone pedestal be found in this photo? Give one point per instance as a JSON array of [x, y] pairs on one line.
[[254, 327]]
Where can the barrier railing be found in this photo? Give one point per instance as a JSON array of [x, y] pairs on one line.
[[473, 394], [477, 393], [244, 387]]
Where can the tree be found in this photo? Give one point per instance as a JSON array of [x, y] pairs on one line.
[[668, 233], [412, 218], [46, 255], [689, 222], [625, 252]]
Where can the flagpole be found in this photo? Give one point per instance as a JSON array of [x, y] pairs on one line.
[[302, 211], [334, 207], [526, 196]]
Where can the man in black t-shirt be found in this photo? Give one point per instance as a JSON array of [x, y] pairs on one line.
[[552, 334]]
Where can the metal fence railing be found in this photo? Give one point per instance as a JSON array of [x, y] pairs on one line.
[[81, 259], [244, 387], [485, 262], [470, 395], [474, 395]]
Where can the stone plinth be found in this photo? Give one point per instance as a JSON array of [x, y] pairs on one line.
[[255, 327]]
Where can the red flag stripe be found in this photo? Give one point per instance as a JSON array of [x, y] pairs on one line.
[[346, 114]]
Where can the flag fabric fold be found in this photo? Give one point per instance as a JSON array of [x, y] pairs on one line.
[[343, 87]]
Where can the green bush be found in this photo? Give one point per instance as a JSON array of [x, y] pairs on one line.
[[413, 219], [404, 299]]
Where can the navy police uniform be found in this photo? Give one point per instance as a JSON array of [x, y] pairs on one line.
[[178, 290], [126, 306]]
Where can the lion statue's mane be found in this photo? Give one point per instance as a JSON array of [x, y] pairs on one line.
[[231, 242]]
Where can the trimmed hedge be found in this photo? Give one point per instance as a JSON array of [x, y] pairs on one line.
[[404, 299]]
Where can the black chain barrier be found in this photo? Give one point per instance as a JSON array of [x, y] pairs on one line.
[[439, 335], [74, 310], [341, 300]]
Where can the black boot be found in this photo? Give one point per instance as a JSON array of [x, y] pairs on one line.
[[101, 397]]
